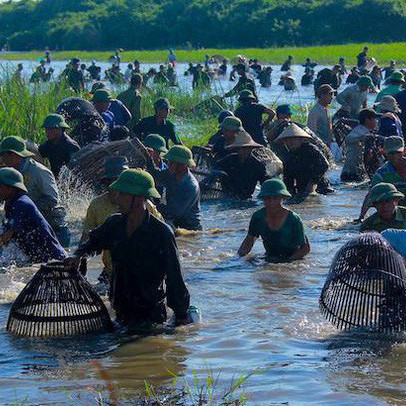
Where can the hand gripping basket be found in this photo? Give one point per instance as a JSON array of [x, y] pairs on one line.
[[366, 286], [58, 301]]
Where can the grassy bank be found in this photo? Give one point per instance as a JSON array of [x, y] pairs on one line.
[[322, 54]]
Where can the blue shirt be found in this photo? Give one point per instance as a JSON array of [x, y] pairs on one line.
[[32, 232], [109, 119], [121, 114]]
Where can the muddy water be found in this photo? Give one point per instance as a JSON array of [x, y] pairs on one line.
[[258, 318]]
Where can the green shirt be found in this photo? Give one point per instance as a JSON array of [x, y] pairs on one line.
[[375, 222], [132, 100], [281, 243], [390, 90]]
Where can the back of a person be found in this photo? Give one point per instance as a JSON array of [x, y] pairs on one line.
[[33, 233], [354, 159], [251, 116], [120, 111], [388, 174], [318, 121]]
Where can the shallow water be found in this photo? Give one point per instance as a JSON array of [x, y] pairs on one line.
[[257, 318]]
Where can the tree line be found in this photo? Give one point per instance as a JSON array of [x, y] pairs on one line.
[[151, 24]]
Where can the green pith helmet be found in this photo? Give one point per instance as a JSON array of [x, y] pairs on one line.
[[157, 142], [393, 144], [365, 81], [180, 154], [273, 187], [102, 96], [231, 124], [54, 121], [162, 104], [11, 177], [135, 182], [246, 95], [383, 191], [397, 76], [15, 145]]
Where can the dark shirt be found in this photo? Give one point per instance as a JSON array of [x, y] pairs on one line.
[[401, 99], [32, 232], [75, 79], [251, 116], [142, 262], [244, 83], [149, 125], [58, 152], [121, 114], [361, 59], [109, 118], [242, 176], [302, 166]]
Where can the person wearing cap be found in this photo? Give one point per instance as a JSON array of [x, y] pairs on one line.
[[242, 168], [94, 71], [182, 208], [59, 147], [105, 205], [23, 223], [396, 82], [283, 118], [355, 97], [251, 115], [354, 165], [393, 171], [101, 100], [304, 165], [389, 109], [158, 124], [145, 259], [132, 99], [281, 230], [40, 183], [385, 198], [229, 128], [245, 82], [362, 58], [122, 115], [218, 136], [161, 77], [319, 119], [74, 76], [287, 64]]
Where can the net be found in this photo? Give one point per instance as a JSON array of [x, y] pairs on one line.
[[366, 286], [58, 301]]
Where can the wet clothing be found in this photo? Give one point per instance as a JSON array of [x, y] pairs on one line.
[[142, 262], [354, 99], [354, 168], [391, 90], [43, 191], [242, 177], [32, 232], [182, 208], [375, 222], [245, 82], [279, 244], [251, 116], [132, 100], [387, 173], [303, 166], [149, 125], [121, 113], [58, 152], [319, 121]]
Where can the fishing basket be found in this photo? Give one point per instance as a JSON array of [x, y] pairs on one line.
[[88, 163], [342, 128], [366, 286], [58, 301]]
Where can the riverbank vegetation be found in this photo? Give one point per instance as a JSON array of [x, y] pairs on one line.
[[321, 54], [151, 24]]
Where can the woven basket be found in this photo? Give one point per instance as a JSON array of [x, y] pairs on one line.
[[366, 286], [58, 301]]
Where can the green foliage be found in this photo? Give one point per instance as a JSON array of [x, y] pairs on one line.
[[109, 24]]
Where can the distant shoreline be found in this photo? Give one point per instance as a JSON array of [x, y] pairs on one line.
[[328, 54]]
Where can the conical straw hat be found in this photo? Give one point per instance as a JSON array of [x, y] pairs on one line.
[[293, 131], [243, 139]]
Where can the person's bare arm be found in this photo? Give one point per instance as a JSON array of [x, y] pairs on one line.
[[301, 252], [246, 245]]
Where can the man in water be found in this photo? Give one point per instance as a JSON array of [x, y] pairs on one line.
[[362, 58], [59, 147], [396, 82], [132, 99], [354, 98], [158, 124], [74, 76], [40, 183], [24, 224], [319, 119], [245, 82], [145, 258], [385, 198]]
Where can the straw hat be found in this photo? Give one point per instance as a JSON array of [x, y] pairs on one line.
[[389, 103], [293, 131], [243, 140]]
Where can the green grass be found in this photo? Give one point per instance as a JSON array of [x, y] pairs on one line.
[[328, 54]]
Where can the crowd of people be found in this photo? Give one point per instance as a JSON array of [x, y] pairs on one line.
[[133, 221]]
